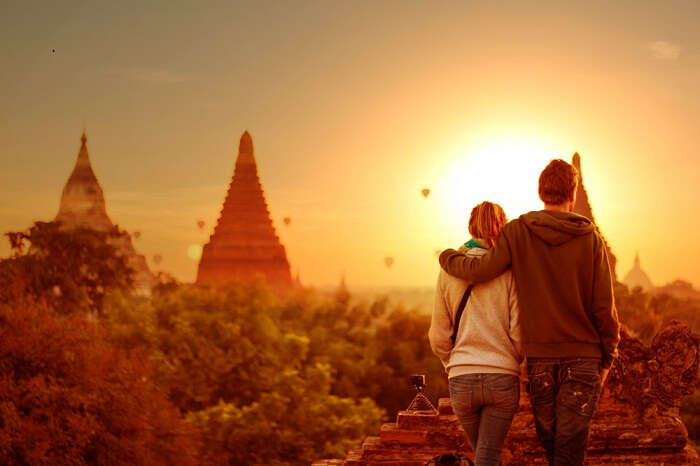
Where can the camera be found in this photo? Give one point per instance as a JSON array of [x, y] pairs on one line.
[[418, 381]]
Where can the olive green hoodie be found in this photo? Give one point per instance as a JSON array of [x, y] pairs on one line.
[[562, 279]]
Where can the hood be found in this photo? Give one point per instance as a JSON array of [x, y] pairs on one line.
[[557, 228]]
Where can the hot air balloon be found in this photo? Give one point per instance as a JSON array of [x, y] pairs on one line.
[[425, 192], [287, 220], [388, 261], [157, 258], [137, 234], [200, 224]]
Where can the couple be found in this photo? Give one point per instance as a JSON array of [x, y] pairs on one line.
[[538, 287]]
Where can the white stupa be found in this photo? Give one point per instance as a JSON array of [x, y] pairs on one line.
[[638, 277]]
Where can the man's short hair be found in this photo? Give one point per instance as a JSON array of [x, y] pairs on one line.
[[558, 181]]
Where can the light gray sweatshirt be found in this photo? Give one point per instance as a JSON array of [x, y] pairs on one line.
[[489, 335]]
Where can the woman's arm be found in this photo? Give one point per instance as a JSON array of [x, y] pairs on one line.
[[441, 323]]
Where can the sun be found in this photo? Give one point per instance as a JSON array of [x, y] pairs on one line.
[[504, 171], [194, 251]]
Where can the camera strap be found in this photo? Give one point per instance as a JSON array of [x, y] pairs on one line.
[[460, 310]]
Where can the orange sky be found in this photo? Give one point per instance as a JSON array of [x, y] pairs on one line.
[[353, 108]]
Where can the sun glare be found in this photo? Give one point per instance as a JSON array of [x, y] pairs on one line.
[[194, 251], [504, 171]]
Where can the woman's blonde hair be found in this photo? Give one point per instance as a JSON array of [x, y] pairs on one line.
[[486, 221]]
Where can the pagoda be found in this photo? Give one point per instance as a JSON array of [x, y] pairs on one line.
[[583, 207], [244, 246], [82, 201], [638, 278], [83, 206]]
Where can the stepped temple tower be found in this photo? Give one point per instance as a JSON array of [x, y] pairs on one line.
[[638, 277], [583, 207], [83, 206], [244, 245]]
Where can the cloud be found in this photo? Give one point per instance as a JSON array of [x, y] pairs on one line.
[[662, 50]]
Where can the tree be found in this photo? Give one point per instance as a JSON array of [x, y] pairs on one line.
[[234, 363], [294, 423], [69, 270], [68, 397]]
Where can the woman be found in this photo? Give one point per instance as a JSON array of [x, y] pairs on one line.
[[483, 364]]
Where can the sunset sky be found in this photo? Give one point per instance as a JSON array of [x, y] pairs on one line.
[[354, 107]]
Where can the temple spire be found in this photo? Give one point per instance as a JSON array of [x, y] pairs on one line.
[[245, 153], [638, 278], [84, 155], [577, 163], [583, 207], [82, 201], [244, 244], [246, 144]]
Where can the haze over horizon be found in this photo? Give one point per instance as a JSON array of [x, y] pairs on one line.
[[353, 109]]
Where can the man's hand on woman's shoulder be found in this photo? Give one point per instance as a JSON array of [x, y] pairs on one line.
[[476, 269], [446, 255]]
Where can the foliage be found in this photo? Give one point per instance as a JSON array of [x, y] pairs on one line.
[[66, 269], [245, 375], [644, 314], [296, 422], [372, 348], [210, 346], [68, 397]]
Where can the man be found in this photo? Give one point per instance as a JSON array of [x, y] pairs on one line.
[[570, 328]]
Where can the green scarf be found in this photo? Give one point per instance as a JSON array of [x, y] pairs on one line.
[[472, 243]]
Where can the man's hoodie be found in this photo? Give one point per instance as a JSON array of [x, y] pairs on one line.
[[563, 282]]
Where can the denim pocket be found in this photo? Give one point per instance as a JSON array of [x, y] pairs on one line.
[[505, 390], [580, 390], [461, 398], [542, 386]]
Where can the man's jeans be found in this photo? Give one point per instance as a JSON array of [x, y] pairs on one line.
[[563, 394], [485, 405]]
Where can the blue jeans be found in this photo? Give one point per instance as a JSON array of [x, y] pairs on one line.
[[485, 405], [564, 394]]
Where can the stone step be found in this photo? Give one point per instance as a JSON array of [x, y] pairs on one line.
[[444, 406], [371, 442], [354, 458], [391, 434], [416, 420]]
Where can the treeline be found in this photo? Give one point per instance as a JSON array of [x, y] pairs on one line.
[[92, 375]]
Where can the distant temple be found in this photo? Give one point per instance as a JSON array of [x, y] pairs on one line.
[[244, 245], [83, 206], [637, 278], [583, 207]]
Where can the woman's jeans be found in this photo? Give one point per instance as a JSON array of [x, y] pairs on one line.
[[485, 405]]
